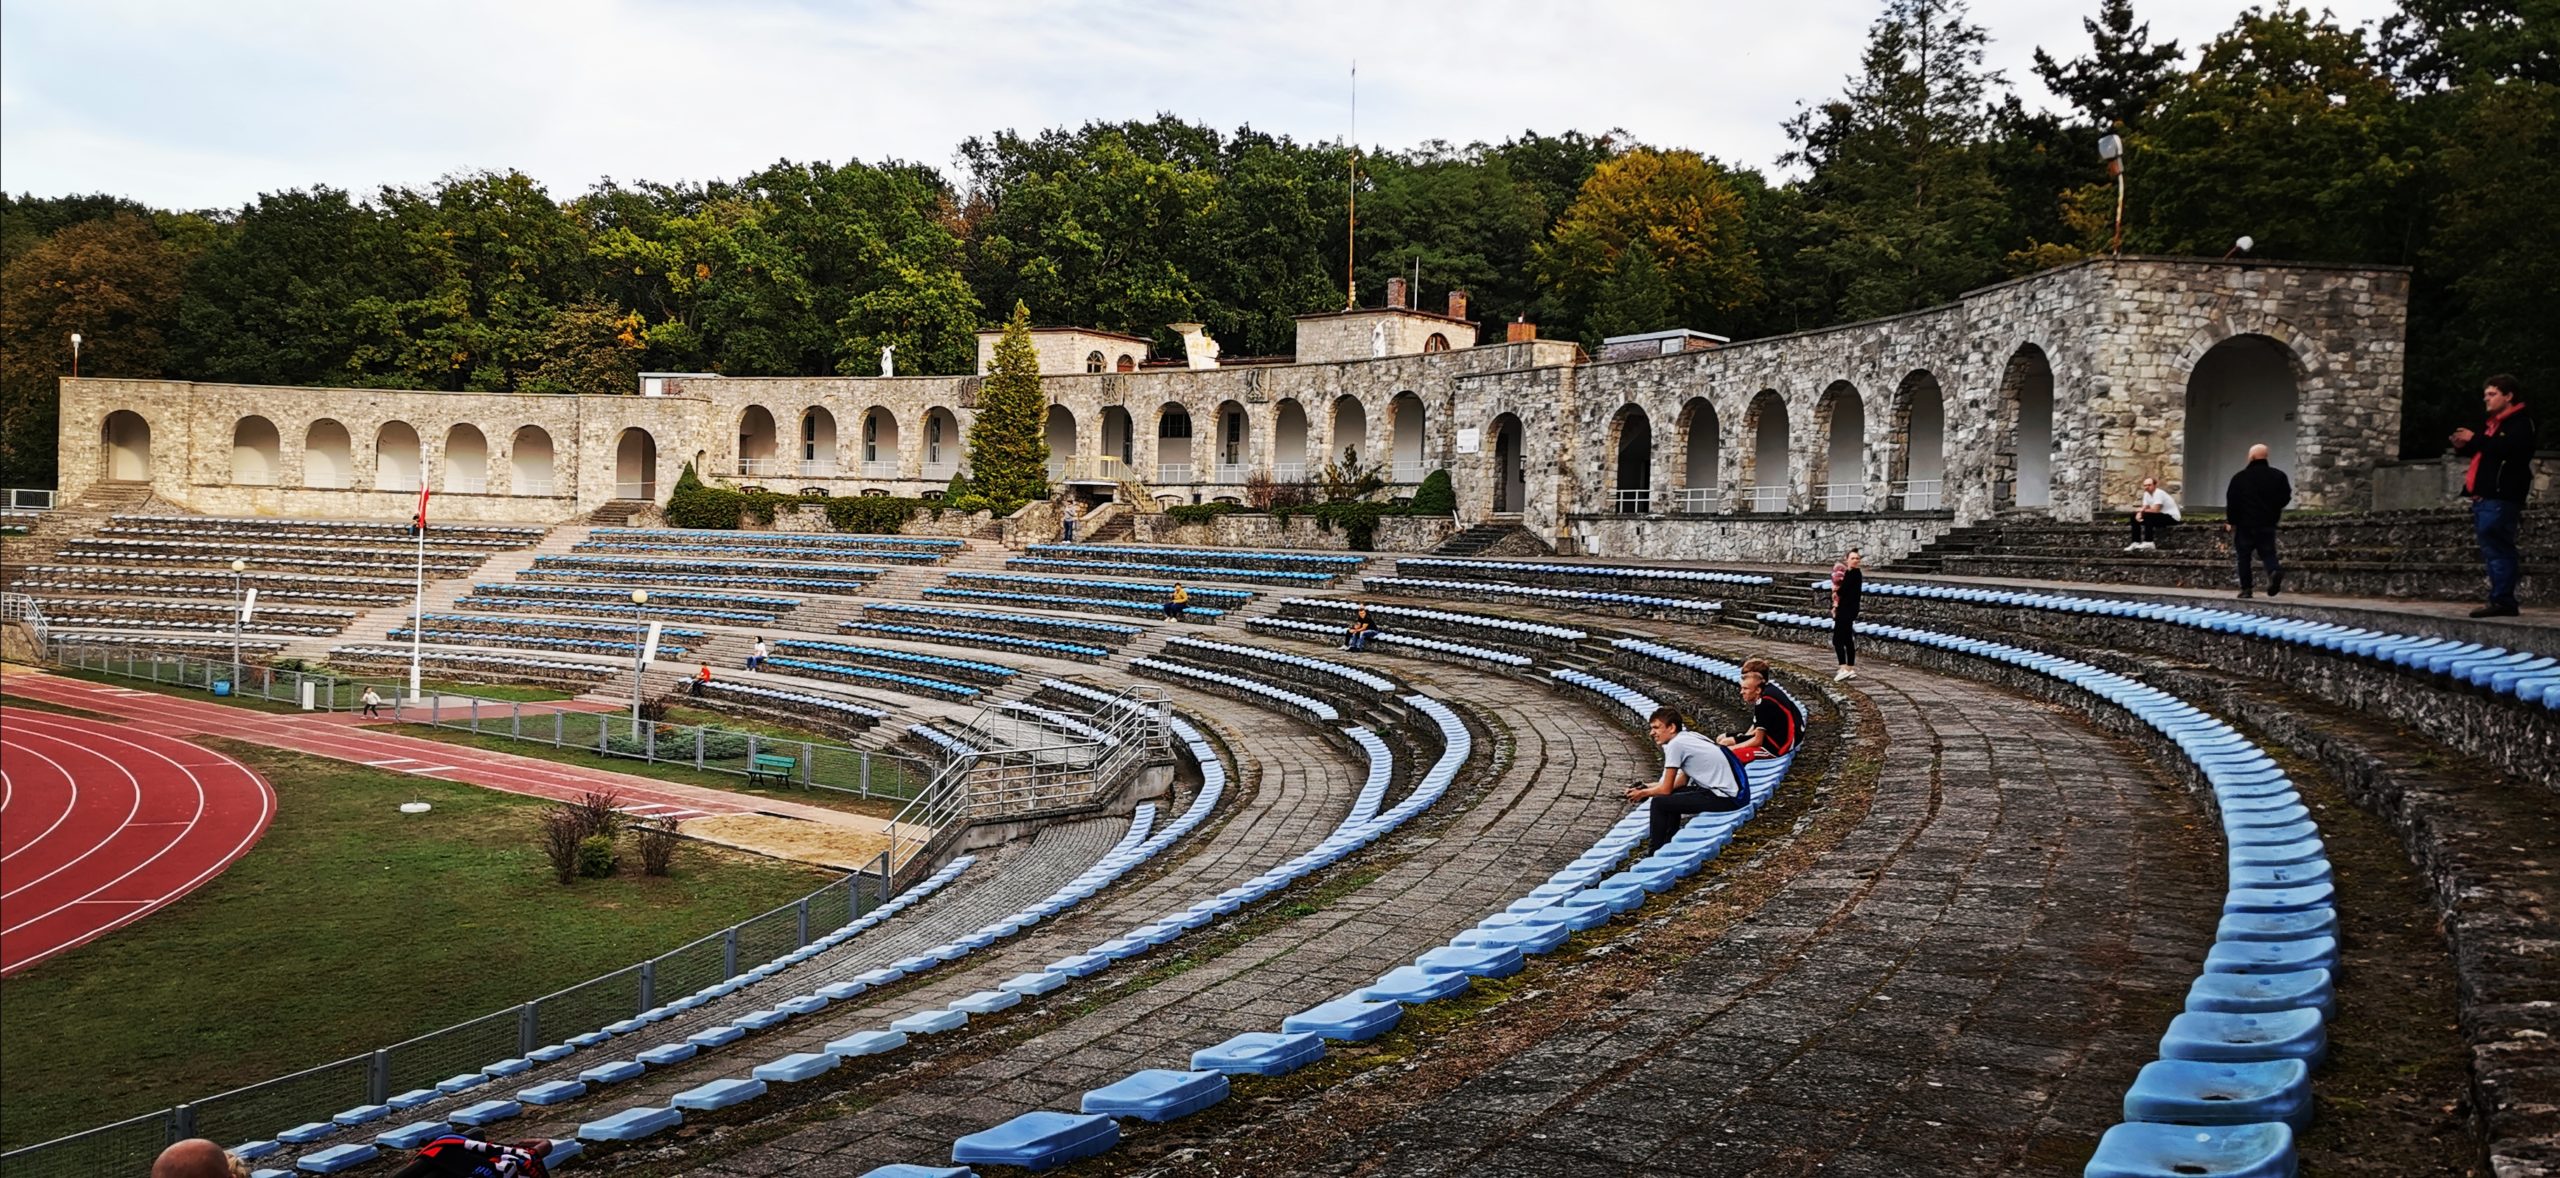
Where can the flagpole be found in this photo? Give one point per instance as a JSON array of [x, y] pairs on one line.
[[418, 615]]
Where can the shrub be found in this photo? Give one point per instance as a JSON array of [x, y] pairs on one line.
[[879, 515], [1435, 496], [558, 832], [695, 504], [1357, 518], [599, 812], [969, 502], [595, 856], [1200, 513], [657, 841]]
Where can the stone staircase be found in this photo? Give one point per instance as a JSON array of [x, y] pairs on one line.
[[617, 513], [75, 520], [375, 625], [1483, 537]]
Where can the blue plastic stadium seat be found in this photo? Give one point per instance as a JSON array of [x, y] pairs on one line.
[[1260, 1053], [2193, 1092], [1157, 1094], [758, 1020], [2262, 993], [719, 1094], [667, 1053], [931, 1022], [867, 1043], [552, 1092], [564, 1150], [2282, 1034], [804, 1004], [363, 1114], [798, 1066], [632, 1124], [551, 1054], [306, 1133], [1352, 1020], [2139, 1149], [839, 991], [716, 1036], [462, 1083], [409, 1136], [487, 1112], [911, 1170], [408, 1100], [337, 1158], [590, 1039], [1033, 983], [1039, 1140], [1414, 984], [613, 1073], [252, 1151], [987, 1001], [508, 1067], [2272, 956]]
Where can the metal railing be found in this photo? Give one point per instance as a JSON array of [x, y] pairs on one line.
[[1091, 468], [1229, 472], [27, 499], [1631, 500], [941, 471], [1290, 472], [762, 467], [817, 468], [1920, 494], [535, 487], [458, 484], [1014, 781], [1173, 472], [1843, 496], [1696, 500], [1410, 472], [1764, 498], [329, 692], [705, 748], [19, 607], [880, 470], [622, 490]]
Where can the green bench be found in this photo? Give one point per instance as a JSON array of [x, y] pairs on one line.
[[774, 765]]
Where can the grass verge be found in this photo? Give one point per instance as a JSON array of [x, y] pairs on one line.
[[878, 806], [348, 926]]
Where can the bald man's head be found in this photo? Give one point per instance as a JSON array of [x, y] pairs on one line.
[[2258, 453], [193, 1158]]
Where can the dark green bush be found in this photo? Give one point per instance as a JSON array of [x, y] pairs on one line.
[[879, 515], [595, 856], [1435, 496], [1358, 519], [696, 504]]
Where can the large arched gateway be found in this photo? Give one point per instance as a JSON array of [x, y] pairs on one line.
[[635, 465], [2243, 393]]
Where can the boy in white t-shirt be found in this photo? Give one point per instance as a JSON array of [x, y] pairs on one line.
[[2156, 513], [1699, 776]]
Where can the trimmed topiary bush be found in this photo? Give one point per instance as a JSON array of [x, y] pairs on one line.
[[1435, 496], [596, 858]]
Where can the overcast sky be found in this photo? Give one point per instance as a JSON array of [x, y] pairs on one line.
[[208, 104]]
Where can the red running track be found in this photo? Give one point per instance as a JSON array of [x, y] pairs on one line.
[[103, 824]]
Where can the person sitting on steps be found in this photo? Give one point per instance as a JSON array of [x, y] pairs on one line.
[[1697, 777], [2156, 513], [1361, 630], [1773, 728]]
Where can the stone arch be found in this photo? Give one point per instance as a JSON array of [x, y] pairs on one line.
[[2243, 391], [1119, 435], [1510, 465], [635, 465], [1127, 363], [943, 444], [759, 441], [1174, 455], [1093, 362], [1919, 447], [1232, 446], [1350, 434], [466, 460], [817, 442], [397, 465], [1405, 432], [530, 462], [1630, 450], [1764, 478], [1701, 445], [879, 443], [2022, 448], [1839, 481], [257, 454], [1289, 441], [124, 447], [1437, 343], [328, 456], [1059, 431]]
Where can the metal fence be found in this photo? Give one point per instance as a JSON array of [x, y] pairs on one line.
[[315, 1094], [814, 764], [248, 680], [27, 499]]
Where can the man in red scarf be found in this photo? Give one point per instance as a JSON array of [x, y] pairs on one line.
[[2499, 481]]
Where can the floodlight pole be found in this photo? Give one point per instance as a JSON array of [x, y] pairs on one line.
[[239, 619], [639, 660], [2111, 149]]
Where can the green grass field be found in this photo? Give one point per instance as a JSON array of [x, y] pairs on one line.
[[349, 926], [891, 784]]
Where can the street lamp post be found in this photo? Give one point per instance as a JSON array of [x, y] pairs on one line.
[[239, 618], [75, 354], [639, 659], [2111, 149]]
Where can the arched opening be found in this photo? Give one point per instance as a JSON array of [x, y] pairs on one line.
[[124, 447], [1404, 416], [1510, 471], [817, 442], [328, 456], [1128, 363], [1764, 465], [1437, 343], [256, 452], [1289, 442], [941, 443], [1093, 361], [1631, 453], [1702, 449], [1119, 435], [1919, 444], [758, 442], [635, 465], [2023, 461], [879, 443], [1173, 444], [1351, 431], [2243, 393], [466, 460], [529, 460], [395, 458], [1060, 432], [1840, 470], [1235, 443]]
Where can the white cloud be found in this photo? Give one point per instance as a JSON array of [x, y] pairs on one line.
[[197, 105]]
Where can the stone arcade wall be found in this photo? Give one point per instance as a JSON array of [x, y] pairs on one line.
[[2120, 338]]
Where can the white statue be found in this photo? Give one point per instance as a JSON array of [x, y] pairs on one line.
[[1197, 348], [1377, 339], [888, 359]]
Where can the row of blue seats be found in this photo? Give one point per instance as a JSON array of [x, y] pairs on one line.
[[1686, 660], [652, 581], [266, 623], [764, 602], [2529, 676], [1051, 601], [159, 605], [1313, 560], [1568, 598], [786, 552], [436, 539], [483, 1112], [1177, 571], [251, 549], [806, 699], [847, 650], [958, 748], [1332, 632], [567, 624], [759, 568], [1047, 646], [529, 534], [1156, 591], [1510, 628], [267, 583], [472, 659], [824, 539], [441, 568], [1518, 567], [1283, 658], [1256, 688], [652, 611], [449, 637], [941, 688], [1076, 627], [1044, 1139], [1138, 845], [119, 638], [2233, 1080], [1060, 721]]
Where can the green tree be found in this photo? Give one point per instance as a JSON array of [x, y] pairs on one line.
[[1686, 219], [1008, 450], [114, 281], [1636, 297], [592, 347], [272, 301], [487, 259], [2120, 77]]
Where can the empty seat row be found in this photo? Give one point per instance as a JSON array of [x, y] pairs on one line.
[[1686, 660], [1332, 632], [912, 684], [758, 601], [1239, 558], [1600, 572], [818, 539], [1298, 661], [227, 609], [965, 668], [436, 538], [563, 625], [267, 582], [780, 551], [119, 638], [265, 593], [948, 743], [1055, 719], [1538, 633], [623, 609], [2233, 1075], [1682, 607], [652, 581], [1043, 646], [473, 659], [281, 561], [1179, 571], [528, 534], [807, 700], [760, 568], [211, 549], [455, 636], [264, 624], [1052, 601], [1079, 629], [1254, 688], [1153, 591]]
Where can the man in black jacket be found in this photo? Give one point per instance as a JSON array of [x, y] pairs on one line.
[[2251, 507], [2500, 478]]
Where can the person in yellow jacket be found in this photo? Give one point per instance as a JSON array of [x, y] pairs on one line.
[[1176, 604]]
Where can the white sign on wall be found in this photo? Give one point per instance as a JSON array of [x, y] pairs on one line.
[[1470, 440]]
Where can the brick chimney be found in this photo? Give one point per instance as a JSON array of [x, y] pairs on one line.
[[1519, 331], [1457, 304], [1395, 292]]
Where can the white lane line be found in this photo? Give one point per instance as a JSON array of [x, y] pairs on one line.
[[74, 804], [93, 847]]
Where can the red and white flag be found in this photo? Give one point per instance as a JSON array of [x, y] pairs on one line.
[[420, 522]]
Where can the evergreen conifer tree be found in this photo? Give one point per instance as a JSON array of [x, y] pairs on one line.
[[1008, 448]]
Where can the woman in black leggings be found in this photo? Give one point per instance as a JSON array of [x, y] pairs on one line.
[[1844, 616]]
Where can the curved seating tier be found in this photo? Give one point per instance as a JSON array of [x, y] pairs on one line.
[[749, 573], [1295, 662], [950, 745], [844, 540], [654, 611], [1229, 557], [1178, 571], [969, 670], [150, 617], [804, 702], [2265, 996], [498, 637], [300, 586], [1236, 685], [287, 559], [979, 638], [1597, 601], [1391, 640], [437, 538], [1050, 601], [653, 581], [525, 534], [778, 550], [1055, 719], [1088, 589], [670, 638], [1076, 630], [476, 661], [157, 608], [747, 602], [1482, 625], [175, 641], [865, 676], [1528, 572]]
